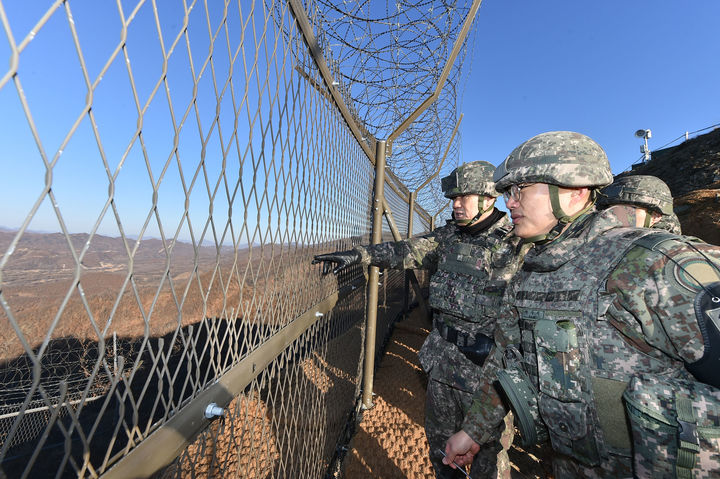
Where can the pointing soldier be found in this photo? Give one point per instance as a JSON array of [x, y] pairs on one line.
[[650, 196], [472, 261], [610, 350]]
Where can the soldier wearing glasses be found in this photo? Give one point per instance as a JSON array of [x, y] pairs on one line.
[[609, 348]]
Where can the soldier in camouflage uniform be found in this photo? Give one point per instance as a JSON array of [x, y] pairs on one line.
[[649, 195], [603, 318], [472, 260]]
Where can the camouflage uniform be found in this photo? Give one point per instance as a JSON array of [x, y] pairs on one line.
[[598, 305], [644, 191], [471, 265], [669, 223]]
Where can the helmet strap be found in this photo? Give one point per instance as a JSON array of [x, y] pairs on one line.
[[462, 222], [557, 209], [648, 219], [481, 206], [563, 219], [481, 211], [555, 203]]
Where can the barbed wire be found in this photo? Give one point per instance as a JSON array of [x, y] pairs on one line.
[[388, 59]]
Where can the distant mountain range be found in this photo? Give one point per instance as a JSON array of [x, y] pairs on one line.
[[43, 256]]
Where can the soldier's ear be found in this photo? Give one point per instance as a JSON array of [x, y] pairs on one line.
[[579, 192], [579, 195]]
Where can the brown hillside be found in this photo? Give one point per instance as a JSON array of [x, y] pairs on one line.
[[699, 213], [119, 286]]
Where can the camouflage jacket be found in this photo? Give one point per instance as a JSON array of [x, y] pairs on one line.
[[470, 272], [590, 309], [669, 223]]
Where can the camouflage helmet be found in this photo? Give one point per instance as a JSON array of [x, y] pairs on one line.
[[562, 158], [474, 178], [640, 190]]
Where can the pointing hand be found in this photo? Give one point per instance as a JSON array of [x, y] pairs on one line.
[[337, 261]]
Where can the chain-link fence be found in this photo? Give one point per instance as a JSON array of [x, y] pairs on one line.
[[168, 171]]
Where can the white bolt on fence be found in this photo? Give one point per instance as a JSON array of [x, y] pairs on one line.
[[213, 410]]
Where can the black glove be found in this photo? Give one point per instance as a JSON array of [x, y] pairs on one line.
[[342, 259]]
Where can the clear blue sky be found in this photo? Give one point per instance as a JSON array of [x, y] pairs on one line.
[[604, 69]]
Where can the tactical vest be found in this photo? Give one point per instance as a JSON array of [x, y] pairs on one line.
[[578, 361], [470, 280]]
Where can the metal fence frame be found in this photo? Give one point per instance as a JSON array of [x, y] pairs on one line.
[[168, 441]]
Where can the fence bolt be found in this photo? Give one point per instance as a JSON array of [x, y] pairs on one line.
[[213, 410]]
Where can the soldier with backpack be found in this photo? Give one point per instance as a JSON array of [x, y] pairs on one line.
[[610, 345]]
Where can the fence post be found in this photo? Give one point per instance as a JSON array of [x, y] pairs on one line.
[[411, 213], [413, 195], [374, 276], [115, 361]]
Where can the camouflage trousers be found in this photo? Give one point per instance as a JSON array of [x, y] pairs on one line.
[[445, 409]]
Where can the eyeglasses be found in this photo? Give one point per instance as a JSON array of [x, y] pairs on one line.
[[515, 191]]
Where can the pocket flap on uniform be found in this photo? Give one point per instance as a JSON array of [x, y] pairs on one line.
[[555, 336], [566, 419]]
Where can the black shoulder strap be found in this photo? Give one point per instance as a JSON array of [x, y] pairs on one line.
[[653, 240], [657, 237]]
